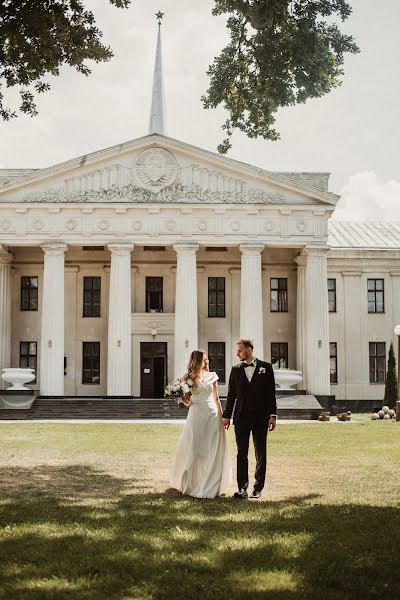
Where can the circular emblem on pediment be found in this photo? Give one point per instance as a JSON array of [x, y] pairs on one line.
[[155, 169], [137, 225], [301, 226], [171, 225], [71, 224], [235, 226], [37, 224], [202, 225], [5, 224], [103, 225], [269, 226]]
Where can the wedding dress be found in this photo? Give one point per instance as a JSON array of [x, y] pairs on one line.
[[202, 462]]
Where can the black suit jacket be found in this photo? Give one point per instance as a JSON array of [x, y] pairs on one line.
[[263, 389]]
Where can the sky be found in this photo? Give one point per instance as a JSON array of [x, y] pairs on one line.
[[353, 132]]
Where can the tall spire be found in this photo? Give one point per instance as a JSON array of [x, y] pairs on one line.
[[157, 103]]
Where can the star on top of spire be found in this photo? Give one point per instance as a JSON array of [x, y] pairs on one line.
[[159, 16]]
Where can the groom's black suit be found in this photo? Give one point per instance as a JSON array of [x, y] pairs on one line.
[[255, 403]]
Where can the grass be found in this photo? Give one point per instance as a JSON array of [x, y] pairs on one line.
[[86, 514]]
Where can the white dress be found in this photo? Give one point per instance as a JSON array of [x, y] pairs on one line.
[[202, 462]]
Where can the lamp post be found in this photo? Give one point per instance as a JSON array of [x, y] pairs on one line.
[[397, 332]]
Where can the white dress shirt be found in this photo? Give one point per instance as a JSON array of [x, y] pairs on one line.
[[250, 370]]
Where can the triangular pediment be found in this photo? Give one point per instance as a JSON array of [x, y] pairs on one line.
[[159, 169]]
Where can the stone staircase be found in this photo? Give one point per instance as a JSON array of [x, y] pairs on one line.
[[136, 408], [105, 408]]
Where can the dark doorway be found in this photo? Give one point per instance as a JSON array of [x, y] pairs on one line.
[[153, 369]]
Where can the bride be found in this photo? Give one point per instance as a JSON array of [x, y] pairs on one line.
[[202, 462]]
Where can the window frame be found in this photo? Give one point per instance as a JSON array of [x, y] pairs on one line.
[[334, 295], [333, 357], [282, 302], [216, 304], [32, 292], [375, 357], [148, 292], [28, 356], [91, 291], [221, 372], [280, 355], [374, 292], [92, 357]]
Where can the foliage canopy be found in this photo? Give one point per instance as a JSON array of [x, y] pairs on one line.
[[280, 53]]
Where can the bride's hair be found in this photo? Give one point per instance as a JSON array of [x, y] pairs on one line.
[[195, 366]]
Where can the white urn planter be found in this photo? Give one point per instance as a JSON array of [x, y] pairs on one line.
[[18, 377], [285, 379]]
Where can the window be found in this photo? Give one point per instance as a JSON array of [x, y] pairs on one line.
[[279, 355], [216, 249], [216, 356], [91, 296], [216, 296], [377, 362], [91, 362], [376, 296], [28, 356], [332, 295], [279, 295], [29, 293], [154, 294], [154, 248], [333, 361]]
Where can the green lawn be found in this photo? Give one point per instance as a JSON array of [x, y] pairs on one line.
[[86, 514]]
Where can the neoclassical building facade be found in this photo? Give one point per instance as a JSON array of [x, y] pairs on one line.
[[115, 265]]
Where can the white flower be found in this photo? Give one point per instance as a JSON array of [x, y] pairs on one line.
[[261, 370], [189, 382]]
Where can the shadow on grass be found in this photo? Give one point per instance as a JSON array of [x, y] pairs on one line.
[[74, 532]]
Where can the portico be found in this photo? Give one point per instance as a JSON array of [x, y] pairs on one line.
[[124, 324]]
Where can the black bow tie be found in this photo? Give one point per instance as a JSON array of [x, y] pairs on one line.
[[249, 365]]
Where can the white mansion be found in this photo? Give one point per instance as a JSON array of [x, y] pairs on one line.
[[115, 265]]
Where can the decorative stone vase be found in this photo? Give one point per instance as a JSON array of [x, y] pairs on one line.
[[18, 377], [286, 378]]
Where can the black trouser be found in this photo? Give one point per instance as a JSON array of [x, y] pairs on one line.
[[258, 426]]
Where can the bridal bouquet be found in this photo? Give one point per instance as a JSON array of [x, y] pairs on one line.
[[178, 389]]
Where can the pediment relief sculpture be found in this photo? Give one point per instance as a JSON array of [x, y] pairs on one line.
[[156, 176]]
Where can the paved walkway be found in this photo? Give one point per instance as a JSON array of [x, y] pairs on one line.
[[152, 421]]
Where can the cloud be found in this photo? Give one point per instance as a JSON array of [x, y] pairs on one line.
[[364, 197]]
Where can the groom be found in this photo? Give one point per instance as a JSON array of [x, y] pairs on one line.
[[252, 385]]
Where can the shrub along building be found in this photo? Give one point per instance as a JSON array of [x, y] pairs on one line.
[[115, 265]]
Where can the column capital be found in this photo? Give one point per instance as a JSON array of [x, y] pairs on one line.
[[251, 249], [54, 248], [5, 257], [120, 248], [301, 260], [186, 247]]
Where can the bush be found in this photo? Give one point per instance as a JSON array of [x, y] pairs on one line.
[[391, 380]]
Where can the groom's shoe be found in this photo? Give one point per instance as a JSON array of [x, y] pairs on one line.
[[255, 495], [241, 494]]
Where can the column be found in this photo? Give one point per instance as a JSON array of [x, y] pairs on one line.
[[186, 320], [52, 326], [5, 311], [301, 262], [119, 357], [251, 298], [317, 322]]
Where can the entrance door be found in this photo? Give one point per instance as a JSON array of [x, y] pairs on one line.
[[153, 369]]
